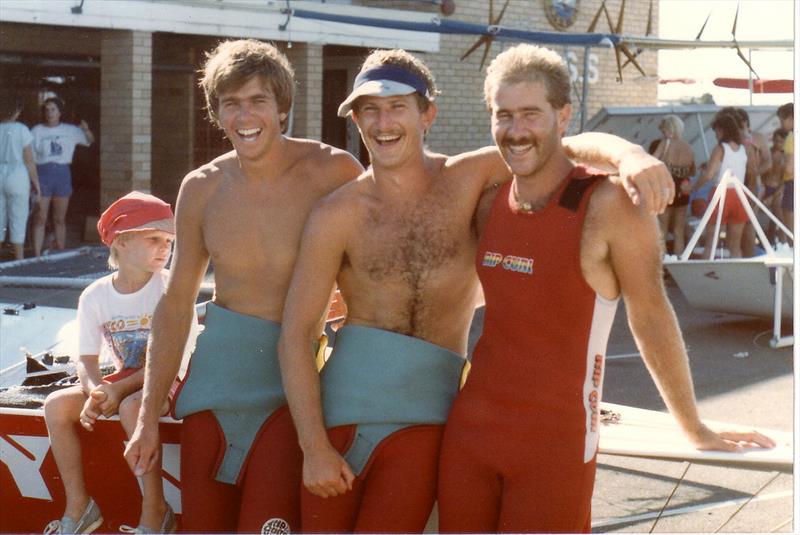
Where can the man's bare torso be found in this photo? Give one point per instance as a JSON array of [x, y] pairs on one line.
[[408, 266], [251, 228]]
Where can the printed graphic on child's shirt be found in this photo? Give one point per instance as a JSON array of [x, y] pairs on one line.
[[127, 337]]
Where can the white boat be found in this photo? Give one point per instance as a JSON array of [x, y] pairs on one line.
[[45, 335], [759, 286]]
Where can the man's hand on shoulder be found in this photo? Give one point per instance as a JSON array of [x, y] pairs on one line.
[[646, 180]]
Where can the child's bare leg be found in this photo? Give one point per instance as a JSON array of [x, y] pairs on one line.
[[62, 409], [153, 505]]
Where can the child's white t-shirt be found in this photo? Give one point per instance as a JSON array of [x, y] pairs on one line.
[[116, 326]]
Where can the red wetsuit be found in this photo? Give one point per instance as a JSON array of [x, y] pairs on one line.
[[393, 494], [393, 449], [518, 453], [268, 495], [233, 384]]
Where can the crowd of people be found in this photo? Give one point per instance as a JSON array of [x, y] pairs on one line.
[[275, 440], [35, 169], [767, 171]]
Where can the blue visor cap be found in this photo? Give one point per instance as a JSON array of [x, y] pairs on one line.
[[384, 81]]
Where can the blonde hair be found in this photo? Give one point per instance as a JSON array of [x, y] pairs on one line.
[[113, 253], [674, 125], [529, 63], [400, 58], [232, 63]]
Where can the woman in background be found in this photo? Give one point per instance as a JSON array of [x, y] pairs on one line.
[[729, 155], [678, 156], [17, 176], [54, 144]]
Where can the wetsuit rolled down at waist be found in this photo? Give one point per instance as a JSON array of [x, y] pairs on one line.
[[235, 374], [385, 398], [384, 381]]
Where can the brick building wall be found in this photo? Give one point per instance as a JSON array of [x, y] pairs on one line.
[[462, 123], [126, 80], [130, 158], [307, 62]]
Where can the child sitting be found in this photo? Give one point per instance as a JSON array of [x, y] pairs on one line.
[[114, 318]]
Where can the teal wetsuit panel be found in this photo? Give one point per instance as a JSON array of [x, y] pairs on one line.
[[382, 382], [234, 372]]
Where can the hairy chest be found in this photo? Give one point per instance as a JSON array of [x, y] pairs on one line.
[[412, 242]]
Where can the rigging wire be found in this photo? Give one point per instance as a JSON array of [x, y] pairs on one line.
[[671, 494], [748, 500]]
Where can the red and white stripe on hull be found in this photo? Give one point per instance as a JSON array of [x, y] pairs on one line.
[[32, 492]]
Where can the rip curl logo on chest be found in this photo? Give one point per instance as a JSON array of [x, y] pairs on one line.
[[518, 264]]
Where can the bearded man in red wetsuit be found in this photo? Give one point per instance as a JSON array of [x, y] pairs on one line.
[[559, 245]]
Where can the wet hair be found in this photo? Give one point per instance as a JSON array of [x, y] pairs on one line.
[[529, 63], [786, 111], [233, 63], [403, 59], [55, 100], [729, 128], [673, 124]]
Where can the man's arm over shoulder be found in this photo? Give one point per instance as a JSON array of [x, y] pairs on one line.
[[484, 166], [633, 258], [322, 247], [644, 177]]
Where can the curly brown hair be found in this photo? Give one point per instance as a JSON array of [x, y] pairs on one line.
[[529, 63], [233, 63]]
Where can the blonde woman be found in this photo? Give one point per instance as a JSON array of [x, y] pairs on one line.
[[678, 156]]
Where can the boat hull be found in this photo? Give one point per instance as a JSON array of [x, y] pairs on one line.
[[738, 286], [32, 492]]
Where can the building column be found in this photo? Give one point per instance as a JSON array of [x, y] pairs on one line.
[[307, 62], [125, 113]]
